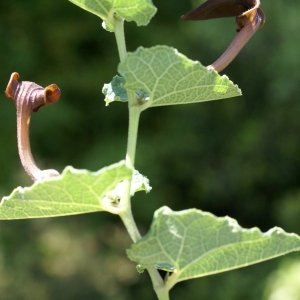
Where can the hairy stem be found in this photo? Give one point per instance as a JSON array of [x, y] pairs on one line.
[[134, 115], [126, 215], [120, 37], [162, 292]]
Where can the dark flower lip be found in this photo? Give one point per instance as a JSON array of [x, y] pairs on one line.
[[212, 9], [249, 18]]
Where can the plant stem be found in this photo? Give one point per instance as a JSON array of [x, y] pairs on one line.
[[159, 286], [120, 37], [134, 116], [126, 215]]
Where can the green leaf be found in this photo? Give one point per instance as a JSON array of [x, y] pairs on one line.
[[140, 11], [198, 244], [114, 91], [171, 78], [139, 183], [165, 267], [74, 192]]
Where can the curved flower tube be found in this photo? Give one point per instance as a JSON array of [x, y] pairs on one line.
[[249, 17], [29, 97]]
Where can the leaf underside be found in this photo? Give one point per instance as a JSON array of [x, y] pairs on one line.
[[198, 244], [140, 11], [74, 192], [171, 78], [114, 91]]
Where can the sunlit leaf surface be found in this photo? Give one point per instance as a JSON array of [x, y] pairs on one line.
[[197, 244], [140, 11], [114, 91], [74, 192], [171, 78]]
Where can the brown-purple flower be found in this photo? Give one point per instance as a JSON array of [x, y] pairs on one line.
[[249, 17], [29, 97]]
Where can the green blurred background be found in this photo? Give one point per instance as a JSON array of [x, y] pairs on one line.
[[236, 157]]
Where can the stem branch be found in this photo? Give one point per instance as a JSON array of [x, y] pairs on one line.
[[160, 288]]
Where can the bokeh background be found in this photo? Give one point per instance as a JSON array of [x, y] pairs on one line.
[[237, 157]]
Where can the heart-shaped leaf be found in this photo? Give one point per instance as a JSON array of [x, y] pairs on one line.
[[171, 78], [192, 243], [74, 192]]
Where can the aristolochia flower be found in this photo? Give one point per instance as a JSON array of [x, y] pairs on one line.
[[249, 17]]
